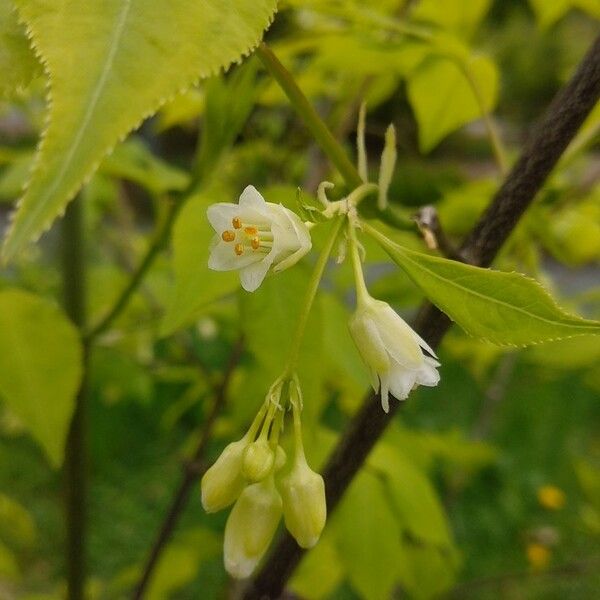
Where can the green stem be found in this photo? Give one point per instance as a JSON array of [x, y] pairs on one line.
[[362, 294], [309, 116], [160, 239], [311, 292], [75, 466], [490, 126]]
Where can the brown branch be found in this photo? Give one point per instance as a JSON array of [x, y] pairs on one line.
[[553, 134], [193, 470]]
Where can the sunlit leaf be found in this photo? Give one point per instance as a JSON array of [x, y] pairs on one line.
[[444, 100], [504, 308], [196, 285], [17, 61], [16, 524], [119, 62], [368, 538], [457, 15], [40, 367]]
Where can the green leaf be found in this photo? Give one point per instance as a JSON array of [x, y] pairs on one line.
[[18, 64], [320, 571], [457, 15], [120, 61], [133, 161], [40, 367], [504, 308], [269, 318], [368, 538], [443, 99], [16, 525], [413, 496], [196, 286]]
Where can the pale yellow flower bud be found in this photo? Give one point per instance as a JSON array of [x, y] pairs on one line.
[[258, 460], [250, 527], [304, 506], [280, 458], [224, 482]]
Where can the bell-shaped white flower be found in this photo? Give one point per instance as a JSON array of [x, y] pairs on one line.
[[251, 527], [254, 236], [392, 350]]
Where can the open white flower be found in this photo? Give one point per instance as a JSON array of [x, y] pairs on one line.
[[254, 236], [392, 350]]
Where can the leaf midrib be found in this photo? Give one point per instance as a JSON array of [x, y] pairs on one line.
[[583, 325], [87, 117]]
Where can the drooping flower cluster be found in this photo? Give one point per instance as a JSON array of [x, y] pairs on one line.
[[254, 474]]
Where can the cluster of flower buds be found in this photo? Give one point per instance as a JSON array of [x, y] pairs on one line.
[[254, 474]]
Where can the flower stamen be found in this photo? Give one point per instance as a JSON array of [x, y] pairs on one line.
[[239, 249], [228, 236], [236, 222]]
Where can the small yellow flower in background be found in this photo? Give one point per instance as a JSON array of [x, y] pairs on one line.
[[254, 236], [551, 497], [538, 555]]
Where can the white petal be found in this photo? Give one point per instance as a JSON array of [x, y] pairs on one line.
[[221, 214], [223, 257], [428, 374], [250, 198], [424, 344], [385, 398], [401, 381], [398, 337], [368, 341], [252, 275]]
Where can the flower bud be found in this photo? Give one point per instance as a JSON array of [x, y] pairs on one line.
[[224, 482], [251, 527], [258, 460], [304, 506], [280, 458]]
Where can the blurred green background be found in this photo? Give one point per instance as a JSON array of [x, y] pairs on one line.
[[487, 486]]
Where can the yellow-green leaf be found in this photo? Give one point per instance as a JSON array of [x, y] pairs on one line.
[[196, 285], [504, 308], [111, 64], [17, 61], [442, 95], [40, 367]]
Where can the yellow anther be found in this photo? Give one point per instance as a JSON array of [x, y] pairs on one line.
[[228, 236], [236, 222], [239, 249], [255, 243], [251, 230]]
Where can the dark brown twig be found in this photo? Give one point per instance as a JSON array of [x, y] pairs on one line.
[[553, 134], [193, 470]]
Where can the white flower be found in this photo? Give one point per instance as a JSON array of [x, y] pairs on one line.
[[391, 350], [254, 236]]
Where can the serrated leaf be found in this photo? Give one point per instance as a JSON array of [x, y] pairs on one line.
[[120, 61], [443, 100], [40, 367], [503, 308], [18, 64], [196, 285]]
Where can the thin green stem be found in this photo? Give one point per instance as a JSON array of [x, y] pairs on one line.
[[309, 297], [75, 467], [490, 126], [362, 294], [309, 116], [160, 239]]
